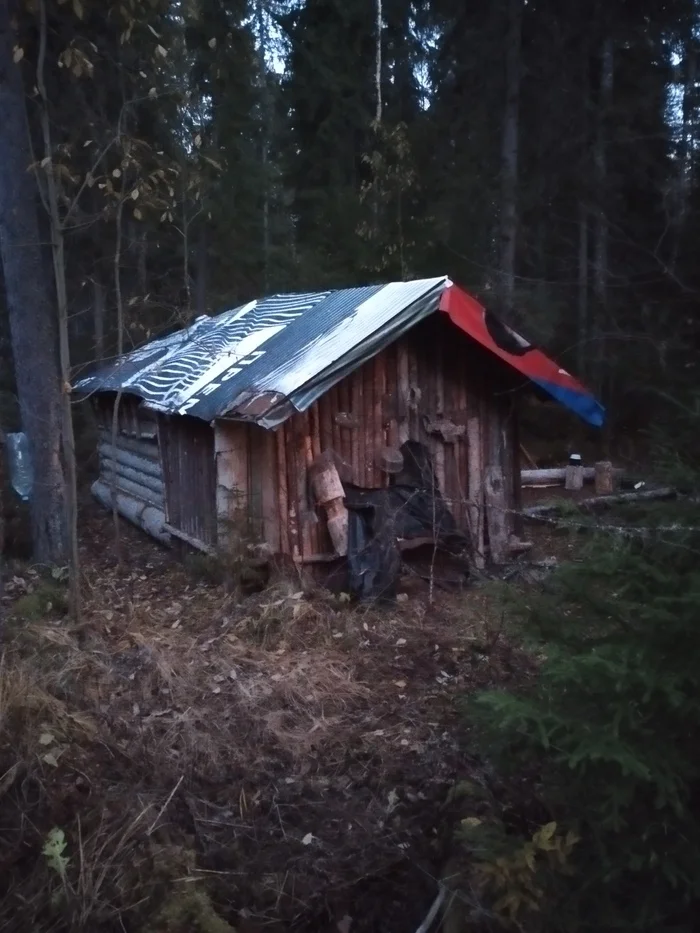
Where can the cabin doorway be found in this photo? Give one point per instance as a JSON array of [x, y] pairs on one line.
[[189, 470]]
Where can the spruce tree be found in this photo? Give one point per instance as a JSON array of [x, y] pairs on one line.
[[608, 738]]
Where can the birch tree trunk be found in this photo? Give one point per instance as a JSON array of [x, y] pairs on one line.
[[509, 159], [33, 326]]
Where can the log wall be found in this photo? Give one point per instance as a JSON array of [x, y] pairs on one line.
[[133, 464]]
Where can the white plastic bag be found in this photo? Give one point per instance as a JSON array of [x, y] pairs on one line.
[[20, 465]]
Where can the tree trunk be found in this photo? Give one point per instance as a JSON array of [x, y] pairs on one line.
[[142, 263], [583, 259], [509, 159], [686, 153], [601, 232], [200, 296], [98, 310], [32, 316], [59, 267], [265, 147], [583, 324]]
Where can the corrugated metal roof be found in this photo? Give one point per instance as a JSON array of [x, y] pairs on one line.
[[266, 359]]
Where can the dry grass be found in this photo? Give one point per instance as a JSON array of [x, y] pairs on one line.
[[281, 758]]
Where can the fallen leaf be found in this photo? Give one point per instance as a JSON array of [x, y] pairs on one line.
[[400, 642], [402, 597], [50, 760], [17, 54], [46, 738], [308, 839], [212, 43], [400, 683]]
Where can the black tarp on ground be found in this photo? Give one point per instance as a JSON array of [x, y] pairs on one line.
[[410, 508]]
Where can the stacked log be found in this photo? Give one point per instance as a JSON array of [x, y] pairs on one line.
[[147, 517], [134, 473], [329, 493]]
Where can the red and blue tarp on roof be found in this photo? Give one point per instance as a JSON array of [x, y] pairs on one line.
[[483, 326]]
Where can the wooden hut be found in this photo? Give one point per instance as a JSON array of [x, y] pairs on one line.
[[266, 421]]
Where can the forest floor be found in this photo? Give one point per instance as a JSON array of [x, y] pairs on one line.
[[287, 753]]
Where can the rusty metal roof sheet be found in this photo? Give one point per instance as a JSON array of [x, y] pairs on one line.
[[266, 359]]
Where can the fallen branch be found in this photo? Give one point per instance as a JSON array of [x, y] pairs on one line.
[[537, 511], [165, 806], [433, 912], [558, 475]]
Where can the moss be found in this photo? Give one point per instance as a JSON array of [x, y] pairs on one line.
[[189, 910], [46, 598], [207, 568]]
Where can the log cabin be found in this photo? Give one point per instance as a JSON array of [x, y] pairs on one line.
[[273, 420]]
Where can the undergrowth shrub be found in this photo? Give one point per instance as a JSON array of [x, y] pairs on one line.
[[606, 745]]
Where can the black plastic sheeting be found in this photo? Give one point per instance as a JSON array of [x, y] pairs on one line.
[[412, 507]]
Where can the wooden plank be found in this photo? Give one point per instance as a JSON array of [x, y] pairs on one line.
[[415, 393], [269, 499], [344, 445], [334, 406], [452, 485], [282, 493], [368, 422], [314, 414], [462, 446], [293, 505], [379, 478], [438, 376], [231, 454], [403, 394], [326, 421], [475, 486], [189, 539], [311, 520], [391, 391], [302, 444], [517, 484], [255, 481], [358, 435], [497, 525]]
